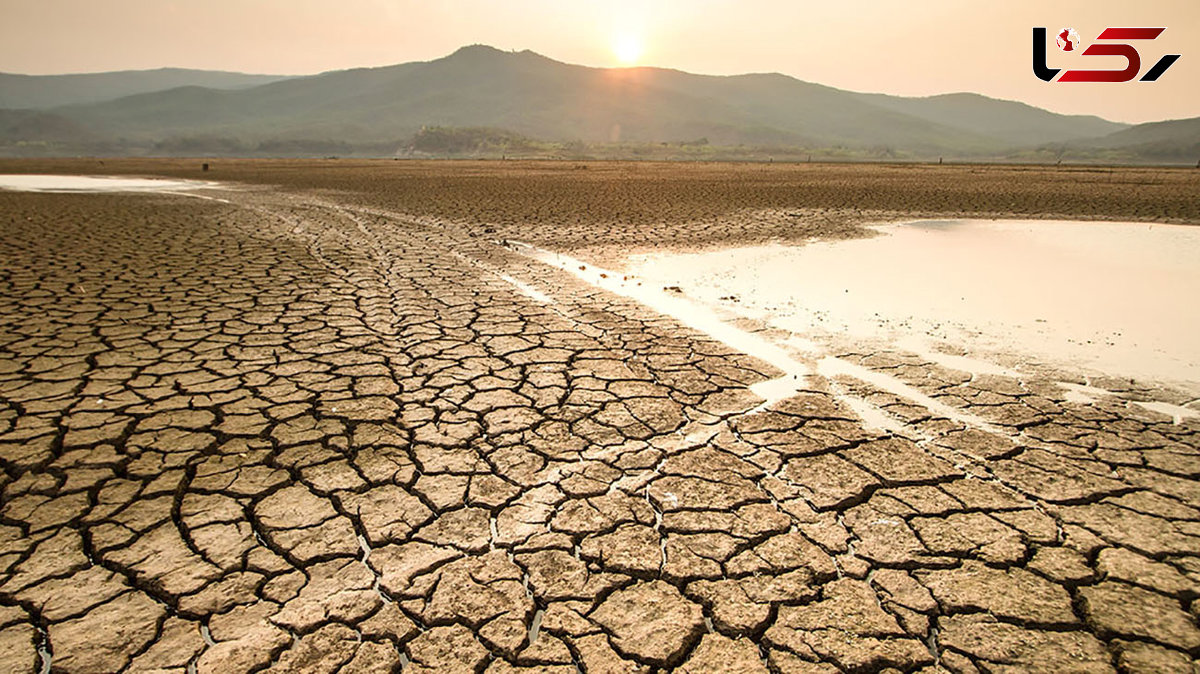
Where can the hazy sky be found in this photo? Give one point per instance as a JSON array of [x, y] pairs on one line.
[[907, 47]]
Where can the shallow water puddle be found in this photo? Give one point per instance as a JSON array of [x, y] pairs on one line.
[[58, 183], [1113, 297]]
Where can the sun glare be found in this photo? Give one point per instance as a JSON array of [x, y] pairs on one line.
[[627, 48]]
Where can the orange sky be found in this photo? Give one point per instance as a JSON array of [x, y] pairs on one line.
[[892, 46]]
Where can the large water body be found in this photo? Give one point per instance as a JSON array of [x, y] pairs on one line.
[[1120, 299]]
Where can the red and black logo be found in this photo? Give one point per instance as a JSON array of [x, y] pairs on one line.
[[1068, 41]]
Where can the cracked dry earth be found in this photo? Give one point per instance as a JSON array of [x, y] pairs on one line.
[[282, 434]]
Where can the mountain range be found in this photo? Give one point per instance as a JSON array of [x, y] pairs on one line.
[[525, 102], [48, 91]]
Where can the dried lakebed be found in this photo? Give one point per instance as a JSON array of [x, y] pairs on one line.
[[283, 431]]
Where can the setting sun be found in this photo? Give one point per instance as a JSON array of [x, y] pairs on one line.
[[627, 48]]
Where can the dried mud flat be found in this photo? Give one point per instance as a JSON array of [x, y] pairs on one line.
[[330, 421]]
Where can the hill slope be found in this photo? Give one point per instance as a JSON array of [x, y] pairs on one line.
[[1009, 121], [1174, 140], [49, 91]]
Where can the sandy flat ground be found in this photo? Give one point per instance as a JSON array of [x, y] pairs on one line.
[[338, 418]]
